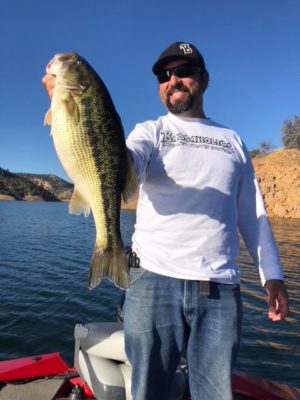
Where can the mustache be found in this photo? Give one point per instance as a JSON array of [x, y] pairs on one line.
[[177, 87]]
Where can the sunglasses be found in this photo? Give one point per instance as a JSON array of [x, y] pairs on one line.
[[181, 71]]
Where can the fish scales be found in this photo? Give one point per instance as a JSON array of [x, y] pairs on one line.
[[78, 149], [112, 164], [90, 143]]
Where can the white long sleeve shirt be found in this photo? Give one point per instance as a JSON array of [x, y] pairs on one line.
[[197, 188]]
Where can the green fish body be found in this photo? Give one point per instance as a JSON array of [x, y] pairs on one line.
[[90, 143]]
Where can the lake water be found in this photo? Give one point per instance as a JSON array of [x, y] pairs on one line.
[[44, 259]]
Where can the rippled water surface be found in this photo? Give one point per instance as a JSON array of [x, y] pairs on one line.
[[44, 260]]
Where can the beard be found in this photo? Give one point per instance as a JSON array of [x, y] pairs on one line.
[[180, 107]]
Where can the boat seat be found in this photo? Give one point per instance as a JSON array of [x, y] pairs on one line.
[[101, 362]]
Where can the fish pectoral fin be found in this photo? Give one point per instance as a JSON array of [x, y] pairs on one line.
[[78, 204], [48, 117], [71, 108], [131, 183]]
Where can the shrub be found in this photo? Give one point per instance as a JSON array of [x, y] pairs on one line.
[[291, 133]]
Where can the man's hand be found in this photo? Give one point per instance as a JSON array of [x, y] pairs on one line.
[[49, 82], [278, 300]]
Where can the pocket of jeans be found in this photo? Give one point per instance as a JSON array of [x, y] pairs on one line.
[[136, 274]]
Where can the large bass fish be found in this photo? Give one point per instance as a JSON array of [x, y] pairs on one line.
[[90, 143]]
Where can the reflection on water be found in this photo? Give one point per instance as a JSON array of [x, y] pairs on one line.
[[44, 259], [272, 349]]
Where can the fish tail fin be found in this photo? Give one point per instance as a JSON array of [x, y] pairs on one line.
[[78, 204], [131, 182], [109, 264]]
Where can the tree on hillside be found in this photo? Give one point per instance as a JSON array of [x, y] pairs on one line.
[[265, 147], [291, 133], [255, 152]]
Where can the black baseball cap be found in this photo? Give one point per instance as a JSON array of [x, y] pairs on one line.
[[178, 50]]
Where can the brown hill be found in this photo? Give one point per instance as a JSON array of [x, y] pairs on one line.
[[33, 187], [53, 184], [131, 205], [278, 174]]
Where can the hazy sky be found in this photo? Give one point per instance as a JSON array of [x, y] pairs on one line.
[[251, 48]]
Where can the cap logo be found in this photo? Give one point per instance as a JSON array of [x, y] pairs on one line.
[[186, 48]]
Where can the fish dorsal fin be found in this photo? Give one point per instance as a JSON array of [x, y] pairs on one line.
[[131, 182], [78, 204], [48, 117], [71, 107]]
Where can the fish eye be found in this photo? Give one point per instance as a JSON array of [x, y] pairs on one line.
[[78, 61]]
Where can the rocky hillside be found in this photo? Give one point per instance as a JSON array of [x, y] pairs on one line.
[[278, 174], [59, 187], [32, 187]]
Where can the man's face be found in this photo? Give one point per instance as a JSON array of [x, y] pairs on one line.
[[182, 96]]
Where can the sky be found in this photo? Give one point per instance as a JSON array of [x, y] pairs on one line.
[[251, 49]]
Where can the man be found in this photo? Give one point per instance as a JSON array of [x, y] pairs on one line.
[[197, 189]]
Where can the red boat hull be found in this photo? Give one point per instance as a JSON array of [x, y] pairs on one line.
[[41, 366], [33, 367], [53, 364]]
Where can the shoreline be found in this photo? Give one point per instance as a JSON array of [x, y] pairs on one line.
[[131, 206]]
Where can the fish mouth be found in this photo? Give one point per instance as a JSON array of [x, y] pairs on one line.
[[58, 60], [50, 68]]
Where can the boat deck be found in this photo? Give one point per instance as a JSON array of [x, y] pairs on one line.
[[50, 389], [41, 389]]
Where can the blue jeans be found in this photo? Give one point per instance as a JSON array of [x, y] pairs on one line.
[[165, 317]]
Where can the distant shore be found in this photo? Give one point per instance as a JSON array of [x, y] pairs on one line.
[[131, 206], [5, 197]]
